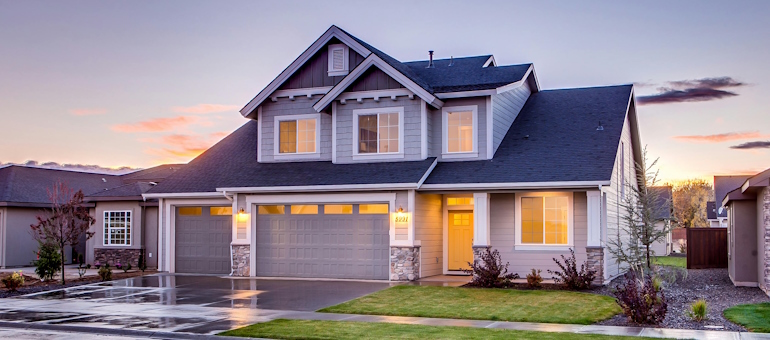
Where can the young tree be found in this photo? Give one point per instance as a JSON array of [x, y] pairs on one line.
[[66, 222], [644, 208], [690, 198]]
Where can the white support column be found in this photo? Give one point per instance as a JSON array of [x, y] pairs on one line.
[[410, 215], [594, 213], [160, 255], [481, 219]]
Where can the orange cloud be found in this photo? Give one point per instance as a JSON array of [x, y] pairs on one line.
[[205, 108], [183, 147], [87, 112], [722, 137], [159, 124]]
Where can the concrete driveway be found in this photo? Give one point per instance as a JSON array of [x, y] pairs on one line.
[[179, 303]]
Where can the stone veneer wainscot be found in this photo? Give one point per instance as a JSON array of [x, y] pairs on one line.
[[241, 260], [595, 262], [115, 256], [404, 263], [764, 199]]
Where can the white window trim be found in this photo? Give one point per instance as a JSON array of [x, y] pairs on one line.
[[378, 155], [129, 227], [297, 155], [445, 135], [346, 60], [570, 223]]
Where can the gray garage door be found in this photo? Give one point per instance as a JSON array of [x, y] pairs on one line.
[[312, 241], [203, 236]]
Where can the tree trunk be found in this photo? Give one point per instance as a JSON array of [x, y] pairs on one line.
[[61, 251]]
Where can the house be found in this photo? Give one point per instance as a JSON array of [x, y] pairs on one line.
[[665, 210], [717, 217], [24, 196], [354, 165], [748, 230]]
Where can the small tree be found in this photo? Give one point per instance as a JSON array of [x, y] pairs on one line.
[[66, 222], [643, 208]]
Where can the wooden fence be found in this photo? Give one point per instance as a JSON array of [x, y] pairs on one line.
[[706, 248]]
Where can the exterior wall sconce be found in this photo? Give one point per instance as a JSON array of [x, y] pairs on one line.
[[242, 216]]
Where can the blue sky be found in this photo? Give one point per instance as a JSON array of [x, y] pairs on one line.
[[138, 83]]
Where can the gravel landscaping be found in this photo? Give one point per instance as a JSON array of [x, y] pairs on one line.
[[33, 285], [713, 285]]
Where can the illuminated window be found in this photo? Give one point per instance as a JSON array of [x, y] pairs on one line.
[[372, 209], [117, 228], [378, 131], [338, 209], [460, 131], [221, 211], [270, 210], [545, 220], [459, 201], [297, 136], [304, 209], [190, 211]]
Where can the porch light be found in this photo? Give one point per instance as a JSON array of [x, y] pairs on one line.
[[400, 210], [242, 216]]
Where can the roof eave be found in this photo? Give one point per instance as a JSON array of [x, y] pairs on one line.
[[517, 185], [320, 188]]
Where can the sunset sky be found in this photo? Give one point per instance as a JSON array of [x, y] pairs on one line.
[[140, 83]]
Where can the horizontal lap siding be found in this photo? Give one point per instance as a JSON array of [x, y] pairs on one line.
[[428, 219], [505, 108], [503, 236], [615, 214], [437, 127], [286, 107]]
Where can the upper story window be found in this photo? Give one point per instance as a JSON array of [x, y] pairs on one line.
[[297, 135], [117, 228], [379, 132], [544, 219], [338, 60], [460, 131]]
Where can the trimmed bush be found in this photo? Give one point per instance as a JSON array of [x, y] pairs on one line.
[[14, 281], [534, 279], [48, 262], [641, 299], [570, 276], [105, 273], [698, 310], [490, 272]]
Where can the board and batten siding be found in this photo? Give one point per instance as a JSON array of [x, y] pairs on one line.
[[286, 107], [429, 231], [412, 128], [503, 236], [505, 108], [614, 200], [437, 128], [374, 79], [315, 71]]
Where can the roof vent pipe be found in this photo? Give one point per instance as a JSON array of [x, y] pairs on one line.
[[600, 127], [430, 62], [451, 60]]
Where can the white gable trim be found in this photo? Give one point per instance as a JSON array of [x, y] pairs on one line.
[[490, 61], [373, 60], [332, 32]]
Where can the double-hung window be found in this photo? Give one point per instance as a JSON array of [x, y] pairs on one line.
[[297, 134], [378, 131], [460, 131], [117, 228], [545, 219]]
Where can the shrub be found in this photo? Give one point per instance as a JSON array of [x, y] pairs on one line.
[[14, 281], [105, 273], [142, 261], [698, 310], [534, 279], [682, 246], [48, 261], [570, 276], [641, 299], [490, 272], [126, 268]]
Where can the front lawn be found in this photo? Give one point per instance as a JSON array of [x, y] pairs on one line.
[[755, 317], [671, 261], [483, 304], [313, 329]]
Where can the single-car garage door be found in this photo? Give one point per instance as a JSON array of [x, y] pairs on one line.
[[202, 240], [344, 241]]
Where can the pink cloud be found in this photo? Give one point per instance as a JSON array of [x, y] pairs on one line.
[[205, 108], [175, 147], [722, 137], [160, 124], [87, 112]]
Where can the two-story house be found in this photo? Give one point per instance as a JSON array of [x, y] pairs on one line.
[[354, 165]]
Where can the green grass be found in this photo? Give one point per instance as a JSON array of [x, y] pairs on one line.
[[671, 261], [316, 330], [755, 317], [483, 304]]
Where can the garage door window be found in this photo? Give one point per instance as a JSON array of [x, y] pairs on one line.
[[372, 209], [221, 211], [117, 228], [271, 210], [304, 209], [190, 211], [338, 209]]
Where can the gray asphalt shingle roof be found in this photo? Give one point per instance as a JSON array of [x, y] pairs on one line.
[[553, 139], [233, 163], [664, 203], [725, 184], [135, 189], [21, 184]]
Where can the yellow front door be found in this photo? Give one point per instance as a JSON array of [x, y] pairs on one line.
[[460, 240]]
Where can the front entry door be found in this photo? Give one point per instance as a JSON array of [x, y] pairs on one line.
[[460, 240]]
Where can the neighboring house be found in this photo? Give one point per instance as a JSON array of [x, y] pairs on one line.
[[717, 217], [748, 231], [665, 208], [24, 196], [354, 165]]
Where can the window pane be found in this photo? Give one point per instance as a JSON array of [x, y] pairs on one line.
[[288, 136], [532, 220], [460, 201], [306, 135], [556, 219], [190, 211], [388, 132], [221, 211], [338, 209], [459, 131], [367, 134], [270, 210], [306, 209], [370, 209]]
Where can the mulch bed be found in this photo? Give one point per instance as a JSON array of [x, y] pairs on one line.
[[712, 285], [33, 285]]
